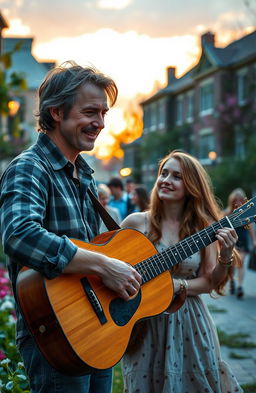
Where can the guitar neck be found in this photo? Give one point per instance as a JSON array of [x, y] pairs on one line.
[[173, 255]]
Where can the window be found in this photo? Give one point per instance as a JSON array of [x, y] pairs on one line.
[[161, 113], [146, 118], [153, 117], [206, 97], [179, 110], [189, 107], [242, 86], [206, 144], [240, 150]]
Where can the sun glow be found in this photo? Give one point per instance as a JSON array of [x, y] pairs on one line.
[[16, 28], [138, 70]]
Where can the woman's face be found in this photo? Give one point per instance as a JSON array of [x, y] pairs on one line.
[[135, 198], [170, 185], [239, 200]]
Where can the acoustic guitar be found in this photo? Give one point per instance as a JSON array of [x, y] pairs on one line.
[[79, 324]]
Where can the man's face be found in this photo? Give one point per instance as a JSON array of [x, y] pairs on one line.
[[79, 131]]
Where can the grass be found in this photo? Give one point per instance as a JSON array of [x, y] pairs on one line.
[[117, 379], [249, 388], [235, 340], [212, 308], [2, 256], [234, 355]]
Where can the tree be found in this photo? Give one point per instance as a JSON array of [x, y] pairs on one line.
[[10, 143]]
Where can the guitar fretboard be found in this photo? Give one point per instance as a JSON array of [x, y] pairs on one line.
[[165, 260]]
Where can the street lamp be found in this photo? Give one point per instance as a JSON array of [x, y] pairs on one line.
[[13, 106], [124, 172], [212, 156]]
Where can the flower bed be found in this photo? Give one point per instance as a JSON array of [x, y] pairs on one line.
[[12, 375]]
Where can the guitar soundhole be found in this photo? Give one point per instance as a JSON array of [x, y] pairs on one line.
[[122, 311]]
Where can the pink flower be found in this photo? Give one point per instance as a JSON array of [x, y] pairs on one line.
[[2, 355], [231, 101]]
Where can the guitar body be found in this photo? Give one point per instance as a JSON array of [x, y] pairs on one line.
[[77, 322]]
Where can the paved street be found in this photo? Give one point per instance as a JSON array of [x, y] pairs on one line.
[[240, 317]]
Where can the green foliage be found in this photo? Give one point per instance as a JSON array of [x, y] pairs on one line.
[[235, 340], [249, 388], [2, 256], [9, 88], [14, 85], [214, 309], [117, 379], [232, 173], [234, 355]]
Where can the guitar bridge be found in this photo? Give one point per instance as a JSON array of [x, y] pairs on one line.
[[93, 299]]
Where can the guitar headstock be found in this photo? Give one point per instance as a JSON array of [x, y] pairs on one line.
[[244, 214]]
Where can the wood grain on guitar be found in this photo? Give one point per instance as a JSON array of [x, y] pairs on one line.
[[79, 324]]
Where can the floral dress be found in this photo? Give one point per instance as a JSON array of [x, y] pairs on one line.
[[180, 352]]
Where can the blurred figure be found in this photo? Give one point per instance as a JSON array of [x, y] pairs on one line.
[[129, 186], [104, 195], [119, 198], [140, 199], [237, 198]]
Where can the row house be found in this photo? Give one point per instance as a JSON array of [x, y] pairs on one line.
[[207, 107], [33, 71]]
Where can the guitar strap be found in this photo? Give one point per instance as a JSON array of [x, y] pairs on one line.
[[106, 217]]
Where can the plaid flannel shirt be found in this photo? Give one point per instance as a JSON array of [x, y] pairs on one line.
[[41, 207]]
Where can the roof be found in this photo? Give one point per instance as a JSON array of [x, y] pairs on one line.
[[178, 84], [233, 54], [24, 62], [236, 52]]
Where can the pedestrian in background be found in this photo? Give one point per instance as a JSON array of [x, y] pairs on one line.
[[129, 186], [235, 199], [140, 199], [180, 352], [119, 197], [104, 195]]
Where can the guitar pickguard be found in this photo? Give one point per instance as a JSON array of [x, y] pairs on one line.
[[122, 311]]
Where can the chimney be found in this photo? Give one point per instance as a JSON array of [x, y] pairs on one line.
[[208, 38], [170, 74]]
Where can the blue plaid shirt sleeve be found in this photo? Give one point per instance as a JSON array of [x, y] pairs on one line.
[[24, 200]]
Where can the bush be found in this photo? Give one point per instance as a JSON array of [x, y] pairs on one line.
[[12, 374]]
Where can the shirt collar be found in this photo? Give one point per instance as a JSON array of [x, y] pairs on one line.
[[56, 158]]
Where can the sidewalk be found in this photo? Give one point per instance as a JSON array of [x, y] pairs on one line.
[[239, 317]]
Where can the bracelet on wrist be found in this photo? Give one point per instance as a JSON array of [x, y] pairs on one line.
[[224, 262], [183, 285]]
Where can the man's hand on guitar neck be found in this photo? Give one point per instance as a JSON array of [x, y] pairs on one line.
[[117, 275]]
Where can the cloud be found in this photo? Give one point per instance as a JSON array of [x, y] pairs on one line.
[[114, 4], [134, 60], [17, 28]]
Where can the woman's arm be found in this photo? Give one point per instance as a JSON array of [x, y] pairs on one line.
[[214, 268]]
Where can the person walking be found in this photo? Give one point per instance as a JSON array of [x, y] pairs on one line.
[[44, 202], [235, 199], [104, 195], [140, 199], [119, 197], [179, 352]]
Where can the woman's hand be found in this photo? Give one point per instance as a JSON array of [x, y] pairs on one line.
[[227, 238]]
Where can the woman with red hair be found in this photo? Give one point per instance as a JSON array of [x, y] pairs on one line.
[[180, 352]]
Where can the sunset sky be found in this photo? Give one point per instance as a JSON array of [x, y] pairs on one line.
[[133, 41]]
